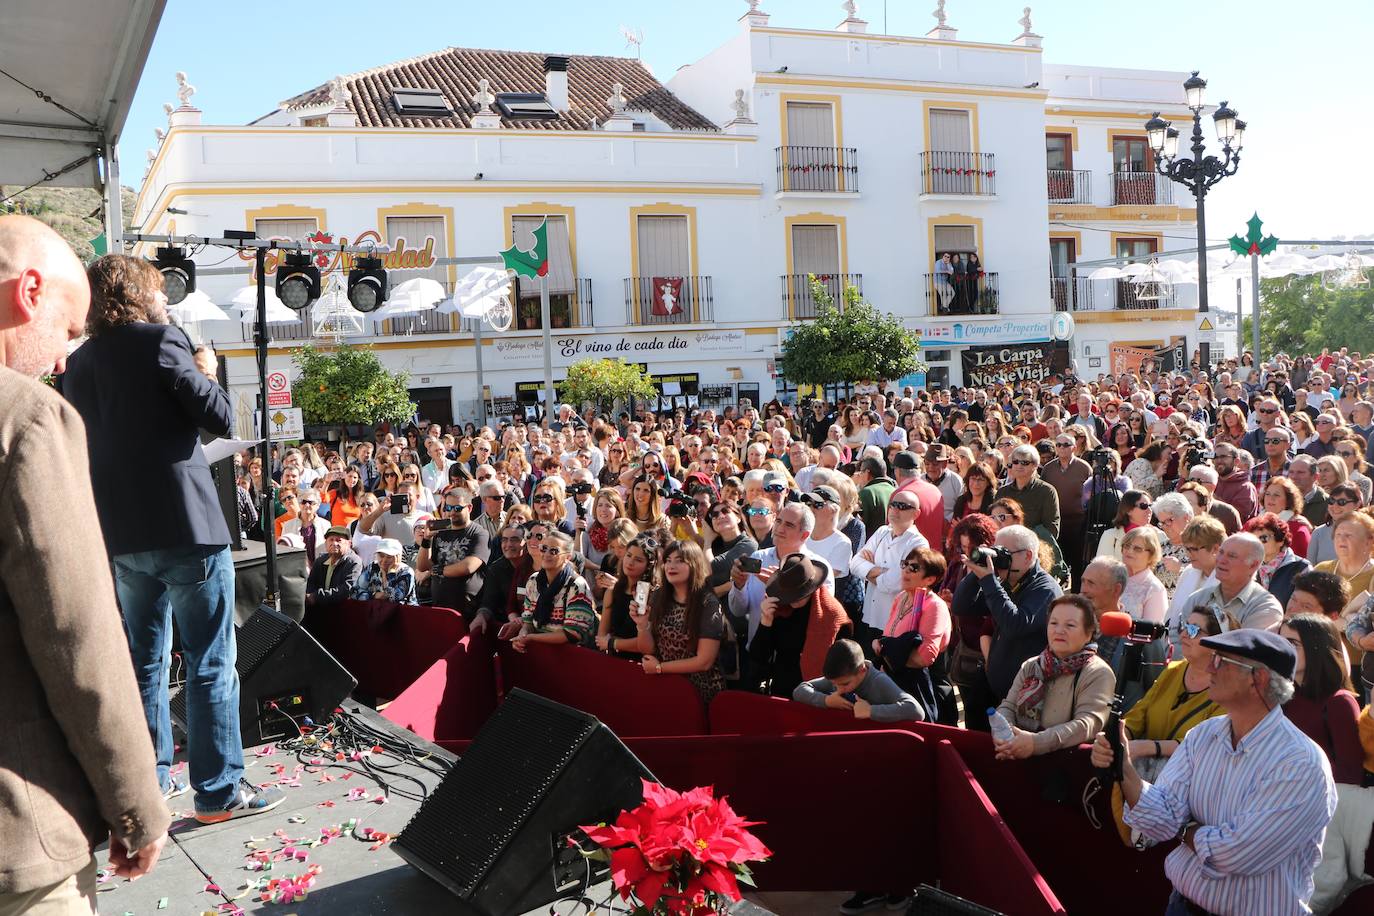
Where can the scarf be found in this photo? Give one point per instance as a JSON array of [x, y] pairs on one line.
[[548, 591], [1030, 703], [824, 618], [1267, 570], [599, 536]]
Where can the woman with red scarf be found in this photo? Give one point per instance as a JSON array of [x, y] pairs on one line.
[[1059, 698]]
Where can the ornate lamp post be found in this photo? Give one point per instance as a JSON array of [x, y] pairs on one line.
[[1199, 172]]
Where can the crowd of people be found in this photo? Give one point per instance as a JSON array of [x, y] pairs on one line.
[[966, 543], [947, 556]]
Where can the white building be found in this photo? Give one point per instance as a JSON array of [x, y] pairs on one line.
[[852, 156]]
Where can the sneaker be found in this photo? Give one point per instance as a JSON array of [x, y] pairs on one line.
[[250, 800], [176, 786], [862, 902], [898, 901]]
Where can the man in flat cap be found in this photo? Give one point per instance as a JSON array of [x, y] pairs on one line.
[[1247, 795], [332, 578]]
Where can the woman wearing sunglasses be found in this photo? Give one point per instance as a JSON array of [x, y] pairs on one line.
[[1341, 500], [558, 606], [879, 563], [1175, 703], [550, 504], [912, 645], [1135, 510]]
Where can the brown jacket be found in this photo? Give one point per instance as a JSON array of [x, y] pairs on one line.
[[76, 762], [1076, 708]]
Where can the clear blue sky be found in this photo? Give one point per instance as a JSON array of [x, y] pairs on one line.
[[1293, 71]]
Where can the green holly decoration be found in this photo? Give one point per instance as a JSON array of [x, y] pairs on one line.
[[532, 263], [1254, 242]]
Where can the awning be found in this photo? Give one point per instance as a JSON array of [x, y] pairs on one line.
[[87, 58]]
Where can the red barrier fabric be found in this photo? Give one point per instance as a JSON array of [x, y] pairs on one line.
[[616, 691], [387, 646], [735, 712], [979, 858], [451, 700], [843, 810]]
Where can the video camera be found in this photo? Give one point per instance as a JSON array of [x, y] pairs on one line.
[[1100, 459], [680, 506], [996, 557], [1194, 452], [580, 489]]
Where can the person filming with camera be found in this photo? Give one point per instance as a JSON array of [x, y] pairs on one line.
[[1007, 583], [1246, 794]]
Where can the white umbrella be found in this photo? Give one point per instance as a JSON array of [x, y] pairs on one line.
[[247, 301], [478, 292], [1107, 273], [198, 307], [423, 290], [400, 305]]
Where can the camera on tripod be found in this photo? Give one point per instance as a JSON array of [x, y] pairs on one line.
[[996, 557], [1100, 459]]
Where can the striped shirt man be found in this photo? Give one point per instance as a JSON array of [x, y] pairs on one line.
[[1263, 806]]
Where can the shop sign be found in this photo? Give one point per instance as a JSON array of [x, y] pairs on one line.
[[985, 367], [629, 347], [1001, 331]]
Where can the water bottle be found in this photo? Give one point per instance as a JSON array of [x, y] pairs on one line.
[[1001, 728]]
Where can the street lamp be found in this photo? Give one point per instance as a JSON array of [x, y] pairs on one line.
[[1199, 172]]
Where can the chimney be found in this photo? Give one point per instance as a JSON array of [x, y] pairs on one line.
[[556, 82]]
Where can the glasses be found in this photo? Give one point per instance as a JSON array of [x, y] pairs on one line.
[[1268, 410], [1218, 660], [1000, 517], [1325, 421], [544, 498], [452, 507], [712, 516], [1344, 501], [752, 512], [1278, 440], [775, 488], [901, 507], [389, 474], [288, 498], [1063, 445], [551, 550], [913, 567], [1347, 454], [310, 502], [1143, 505]]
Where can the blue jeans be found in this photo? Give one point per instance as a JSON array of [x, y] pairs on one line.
[[196, 585]]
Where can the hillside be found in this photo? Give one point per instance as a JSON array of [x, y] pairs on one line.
[[74, 212]]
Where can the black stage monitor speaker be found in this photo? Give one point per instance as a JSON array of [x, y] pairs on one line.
[[282, 669], [494, 831], [931, 901]]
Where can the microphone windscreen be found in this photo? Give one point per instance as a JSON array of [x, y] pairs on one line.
[[1116, 623]]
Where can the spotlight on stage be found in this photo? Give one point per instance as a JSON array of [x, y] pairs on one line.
[[178, 273], [367, 284], [298, 281]]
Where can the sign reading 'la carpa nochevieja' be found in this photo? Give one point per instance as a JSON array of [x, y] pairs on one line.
[[988, 366]]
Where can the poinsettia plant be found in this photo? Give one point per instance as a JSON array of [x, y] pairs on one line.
[[677, 854]]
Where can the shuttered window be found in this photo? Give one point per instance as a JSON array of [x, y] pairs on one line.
[[816, 250], [949, 131], [810, 124], [417, 231], [560, 252], [664, 246], [294, 229], [955, 239]]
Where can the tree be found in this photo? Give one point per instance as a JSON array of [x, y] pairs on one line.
[[1298, 315], [845, 346], [603, 381], [349, 386]]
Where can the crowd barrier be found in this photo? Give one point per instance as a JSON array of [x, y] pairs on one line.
[[915, 800]]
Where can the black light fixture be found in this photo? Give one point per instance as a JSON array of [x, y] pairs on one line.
[[1198, 172], [367, 284], [178, 273], [298, 281]]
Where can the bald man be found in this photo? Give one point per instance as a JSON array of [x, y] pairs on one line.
[[77, 747]]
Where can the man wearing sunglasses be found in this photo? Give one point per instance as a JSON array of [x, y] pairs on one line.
[[456, 555], [1278, 446], [1038, 500], [1268, 413], [1247, 795]]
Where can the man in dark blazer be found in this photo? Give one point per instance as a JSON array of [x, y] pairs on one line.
[[145, 396], [76, 765], [333, 576]]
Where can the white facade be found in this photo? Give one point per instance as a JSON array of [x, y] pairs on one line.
[[756, 210]]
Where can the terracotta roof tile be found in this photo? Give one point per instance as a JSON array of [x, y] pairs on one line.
[[455, 72]]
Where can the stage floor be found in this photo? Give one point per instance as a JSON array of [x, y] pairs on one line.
[[202, 869]]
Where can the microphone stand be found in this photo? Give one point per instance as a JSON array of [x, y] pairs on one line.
[[1131, 665]]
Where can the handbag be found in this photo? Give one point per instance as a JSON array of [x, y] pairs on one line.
[[965, 664]]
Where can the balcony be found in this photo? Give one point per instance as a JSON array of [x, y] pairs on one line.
[[797, 300], [948, 295], [817, 169], [568, 308], [1083, 295], [667, 300], [959, 174], [1141, 189], [1070, 186]]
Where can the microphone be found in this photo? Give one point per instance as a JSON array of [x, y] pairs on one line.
[[1116, 623]]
